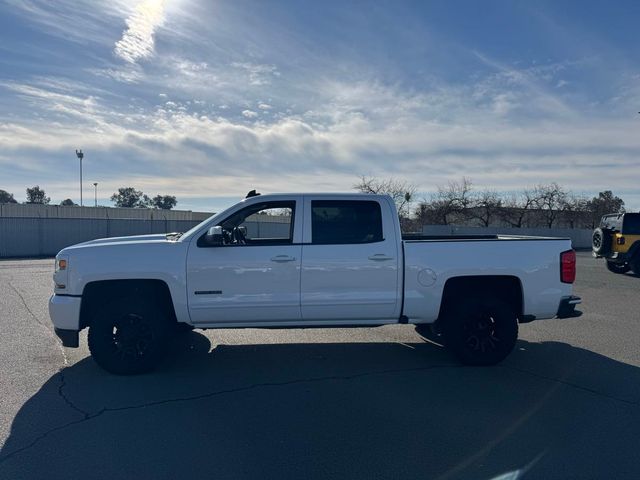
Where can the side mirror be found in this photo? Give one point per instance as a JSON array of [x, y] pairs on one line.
[[214, 236]]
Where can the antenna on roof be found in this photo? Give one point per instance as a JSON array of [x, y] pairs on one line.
[[252, 193]]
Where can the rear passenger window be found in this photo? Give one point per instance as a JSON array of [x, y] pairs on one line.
[[345, 221]]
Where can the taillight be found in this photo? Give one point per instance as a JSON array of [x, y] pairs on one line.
[[568, 266]]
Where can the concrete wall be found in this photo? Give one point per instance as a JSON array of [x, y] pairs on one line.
[[580, 238]]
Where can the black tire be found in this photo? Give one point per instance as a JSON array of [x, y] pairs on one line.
[[601, 241], [618, 267], [480, 332], [182, 327], [129, 336], [634, 264], [430, 331]]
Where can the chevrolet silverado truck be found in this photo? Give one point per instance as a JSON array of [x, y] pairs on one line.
[[307, 260]]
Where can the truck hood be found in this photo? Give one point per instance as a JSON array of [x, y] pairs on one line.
[[155, 238]]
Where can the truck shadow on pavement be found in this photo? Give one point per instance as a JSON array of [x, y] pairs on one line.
[[333, 410]]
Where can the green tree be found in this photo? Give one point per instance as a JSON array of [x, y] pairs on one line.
[[129, 197], [606, 202], [37, 195], [6, 197], [67, 202], [164, 202]]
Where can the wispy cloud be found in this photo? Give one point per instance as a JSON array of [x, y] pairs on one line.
[[259, 74], [137, 40]]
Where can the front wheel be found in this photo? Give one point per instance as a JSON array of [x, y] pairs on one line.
[[129, 336], [480, 332], [618, 267]]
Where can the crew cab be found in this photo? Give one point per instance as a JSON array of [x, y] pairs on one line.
[[307, 260]]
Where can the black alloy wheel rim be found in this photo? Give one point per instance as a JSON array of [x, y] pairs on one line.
[[132, 337], [481, 334]]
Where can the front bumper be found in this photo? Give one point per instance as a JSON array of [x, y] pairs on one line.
[[567, 308], [64, 311]]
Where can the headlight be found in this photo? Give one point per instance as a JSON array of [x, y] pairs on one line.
[[60, 274]]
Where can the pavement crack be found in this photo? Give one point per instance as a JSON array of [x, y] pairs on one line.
[[90, 416], [26, 306], [65, 360], [66, 399], [574, 385]]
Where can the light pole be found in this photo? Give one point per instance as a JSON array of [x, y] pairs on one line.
[[95, 184], [80, 157]]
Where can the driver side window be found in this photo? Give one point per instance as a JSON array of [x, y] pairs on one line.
[[268, 223]]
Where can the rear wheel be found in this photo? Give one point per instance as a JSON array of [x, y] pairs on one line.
[[618, 267], [634, 264], [183, 327], [480, 332], [129, 336], [430, 331], [601, 241]]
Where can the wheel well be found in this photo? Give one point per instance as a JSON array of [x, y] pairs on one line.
[[634, 251], [504, 287], [98, 294]]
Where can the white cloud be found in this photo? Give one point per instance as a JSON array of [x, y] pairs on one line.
[[258, 74], [505, 131], [137, 40], [264, 106]]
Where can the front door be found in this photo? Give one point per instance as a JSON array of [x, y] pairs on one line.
[[254, 275]]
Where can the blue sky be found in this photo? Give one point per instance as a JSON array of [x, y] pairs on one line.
[[209, 99]]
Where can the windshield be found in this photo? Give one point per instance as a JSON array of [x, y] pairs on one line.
[[209, 221]]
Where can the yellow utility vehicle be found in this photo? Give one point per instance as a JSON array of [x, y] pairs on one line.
[[617, 240]]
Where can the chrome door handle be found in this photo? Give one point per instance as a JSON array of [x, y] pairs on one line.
[[283, 258], [380, 257]]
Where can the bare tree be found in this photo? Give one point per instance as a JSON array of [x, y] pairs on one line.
[[486, 206], [450, 204], [516, 208], [402, 192], [550, 199], [574, 210]]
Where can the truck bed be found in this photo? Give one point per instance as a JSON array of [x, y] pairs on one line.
[[431, 260], [417, 237]]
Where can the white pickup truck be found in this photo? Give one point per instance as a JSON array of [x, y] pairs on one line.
[[307, 260]]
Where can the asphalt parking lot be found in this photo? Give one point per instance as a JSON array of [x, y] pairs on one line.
[[338, 403]]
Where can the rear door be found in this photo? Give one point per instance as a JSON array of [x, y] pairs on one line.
[[350, 261]]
